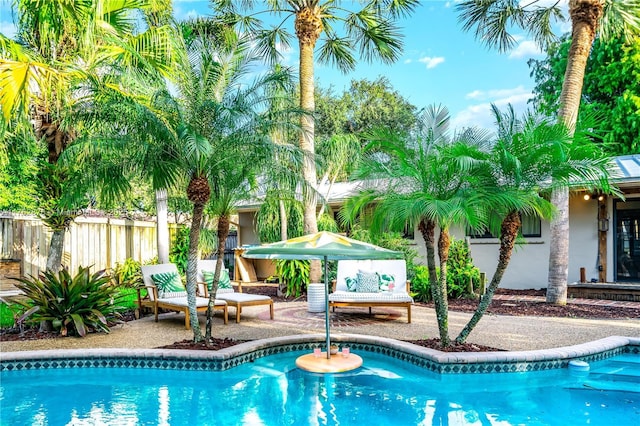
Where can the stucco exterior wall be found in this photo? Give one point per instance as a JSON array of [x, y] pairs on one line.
[[528, 267]]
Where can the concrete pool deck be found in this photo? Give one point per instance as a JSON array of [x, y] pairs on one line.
[[510, 333]]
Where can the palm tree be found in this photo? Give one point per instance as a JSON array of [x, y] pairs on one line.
[[529, 157], [369, 30], [43, 75], [611, 18], [434, 174], [224, 129]]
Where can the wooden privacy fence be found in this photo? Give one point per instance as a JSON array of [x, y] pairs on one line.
[[99, 242]]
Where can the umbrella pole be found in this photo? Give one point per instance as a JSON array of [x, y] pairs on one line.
[[326, 306]]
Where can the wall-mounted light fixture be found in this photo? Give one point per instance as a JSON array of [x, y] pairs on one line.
[[599, 197], [603, 225]]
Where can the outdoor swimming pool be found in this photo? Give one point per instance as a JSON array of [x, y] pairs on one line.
[[272, 391]]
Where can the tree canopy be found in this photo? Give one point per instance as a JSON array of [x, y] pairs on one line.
[[611, 89]]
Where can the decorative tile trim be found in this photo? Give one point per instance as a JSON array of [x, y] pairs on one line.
[[436, 361]]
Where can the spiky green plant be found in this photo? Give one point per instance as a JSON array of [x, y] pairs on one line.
[[73, 305]]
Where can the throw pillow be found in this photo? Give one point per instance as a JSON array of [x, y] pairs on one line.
[[368, 282], [352, 283], [223, 283], [168, 284], [387, 282]]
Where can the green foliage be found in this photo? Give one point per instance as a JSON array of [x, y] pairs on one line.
[[179, 251], [460, 271], [363, 107], [128, 274], [611, 90], [420, 286], [268, 220], [9, 313], [326, 222], [73, 305], [389, 240], [294, 274]]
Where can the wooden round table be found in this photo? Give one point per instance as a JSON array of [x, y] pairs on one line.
[[336, 364]]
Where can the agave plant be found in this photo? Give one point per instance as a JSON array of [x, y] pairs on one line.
[[73, 305]]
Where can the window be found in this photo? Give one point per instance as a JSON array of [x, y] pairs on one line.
[[530, 228]]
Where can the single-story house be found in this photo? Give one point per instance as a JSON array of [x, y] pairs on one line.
[[604, 243]]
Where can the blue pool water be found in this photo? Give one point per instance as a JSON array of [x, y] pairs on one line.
[[272, 391]]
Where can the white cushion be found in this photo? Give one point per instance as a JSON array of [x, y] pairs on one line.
[[241, 297], [201, 302], [382, 296]]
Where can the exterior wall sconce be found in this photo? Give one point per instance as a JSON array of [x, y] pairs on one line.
[[599, 197], [603, 225]]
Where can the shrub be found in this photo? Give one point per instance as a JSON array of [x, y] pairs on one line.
[[128, 274], [72, 305], [420, 286], [179, 252], [463, 279], [294, 274]]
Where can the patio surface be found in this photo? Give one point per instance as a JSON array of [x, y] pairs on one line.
[[291, 318]]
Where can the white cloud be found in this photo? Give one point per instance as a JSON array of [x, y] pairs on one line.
[[480, 115], [431, 62], [526, 49], [408, 61], [496, 94]]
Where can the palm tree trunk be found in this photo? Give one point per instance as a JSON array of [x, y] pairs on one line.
[[283, 220], [54, 257], [223, 233], [585, 16], [427, 229], [192, 269], [440, 289], [508, 234], [162, 226], [308, 28]]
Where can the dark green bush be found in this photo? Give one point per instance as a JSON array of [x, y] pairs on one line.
[[294, 274], [73, 305], [179, 251], [420, 286], [463, 279]]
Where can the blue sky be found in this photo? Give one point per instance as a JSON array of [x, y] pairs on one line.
[[440, 64]]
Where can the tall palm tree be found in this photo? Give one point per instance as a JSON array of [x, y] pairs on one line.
[[434, 174], [370, 30], [59, 48], [529, 157], [226, 124], [492, 20]]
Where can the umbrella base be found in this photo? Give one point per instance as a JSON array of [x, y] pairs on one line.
[[336, 364]]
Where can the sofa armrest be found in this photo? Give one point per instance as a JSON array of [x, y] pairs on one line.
[[408, 286], [333, 285]]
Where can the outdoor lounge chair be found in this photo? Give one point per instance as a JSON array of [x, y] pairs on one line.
[[157, 299], [227, 293]]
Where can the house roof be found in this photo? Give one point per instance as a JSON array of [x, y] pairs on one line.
[[625, 172], [627, 169]]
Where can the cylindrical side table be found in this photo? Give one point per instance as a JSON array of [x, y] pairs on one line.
[[315, 297]]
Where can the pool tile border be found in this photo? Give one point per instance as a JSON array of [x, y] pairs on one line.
[[432, 360]]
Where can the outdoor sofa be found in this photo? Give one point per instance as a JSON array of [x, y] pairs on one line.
[[371, 283]]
